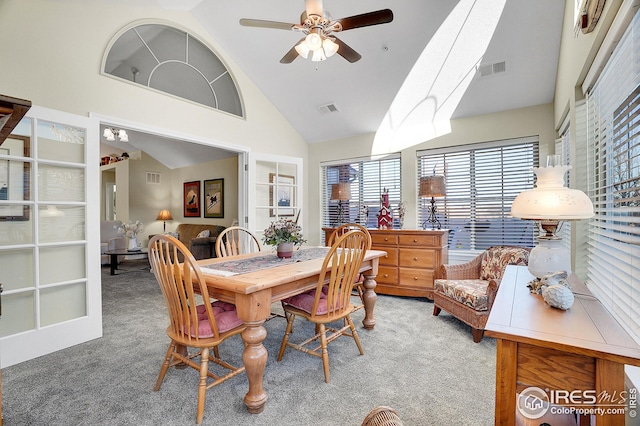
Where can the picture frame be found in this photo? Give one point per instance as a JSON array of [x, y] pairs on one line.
[[284, 196], [15, 178], [214, 198], [191, 199]]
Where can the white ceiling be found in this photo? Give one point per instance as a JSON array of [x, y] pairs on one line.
[[526, 38]]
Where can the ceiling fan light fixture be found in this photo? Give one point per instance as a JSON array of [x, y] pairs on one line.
[[108, 134], [330, 47], [313, 41], [318, 55], [302, 49]]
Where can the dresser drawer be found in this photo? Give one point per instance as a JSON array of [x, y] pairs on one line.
[[419, 240], [417, 258], [411, 277], [387, 275], [384, 239], [391, 259]]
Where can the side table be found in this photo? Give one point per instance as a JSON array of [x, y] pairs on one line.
[[113, 257], [574, 358]]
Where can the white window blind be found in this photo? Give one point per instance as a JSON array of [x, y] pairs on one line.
[[368, 178], [562, 149], [614, 159], [482, 181]]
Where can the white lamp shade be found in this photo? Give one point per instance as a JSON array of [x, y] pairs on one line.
[[318, 55], [313, 41], [550, 199], [330, 47], [302, 49]]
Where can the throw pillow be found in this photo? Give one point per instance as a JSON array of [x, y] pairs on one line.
[[203, 234]]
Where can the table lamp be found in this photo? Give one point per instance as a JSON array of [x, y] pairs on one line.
[[432, 186], [164, 215], [549, 203], [341, 192]]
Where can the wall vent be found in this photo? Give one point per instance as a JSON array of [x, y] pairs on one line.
[[153, 178], [328, 108], [485, 70]]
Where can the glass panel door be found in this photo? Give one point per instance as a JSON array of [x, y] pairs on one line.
[[277, 192], [46, 168]]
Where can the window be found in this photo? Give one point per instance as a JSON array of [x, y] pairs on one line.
[[175, 62], [367, 178], [613, 111], [482, 181]]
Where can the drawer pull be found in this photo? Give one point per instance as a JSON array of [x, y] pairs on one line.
[[386, 275], [415, 278], [386, 239], [415, 241], [415, 258]]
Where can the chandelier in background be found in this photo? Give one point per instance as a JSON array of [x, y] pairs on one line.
[[111, 133]]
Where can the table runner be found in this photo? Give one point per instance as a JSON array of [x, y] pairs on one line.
[[271, 260]]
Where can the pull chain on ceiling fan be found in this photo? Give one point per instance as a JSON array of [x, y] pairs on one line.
[[318, 27]]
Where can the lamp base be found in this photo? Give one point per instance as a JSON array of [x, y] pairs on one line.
[[432, 219], [549, 256]]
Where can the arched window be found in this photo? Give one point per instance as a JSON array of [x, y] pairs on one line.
[[175, 62]]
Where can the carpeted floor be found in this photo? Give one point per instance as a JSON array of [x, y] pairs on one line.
[[426, 367]]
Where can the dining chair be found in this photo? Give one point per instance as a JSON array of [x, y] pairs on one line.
[[196, 324], [236, 240], [358, 288], [330, 301]]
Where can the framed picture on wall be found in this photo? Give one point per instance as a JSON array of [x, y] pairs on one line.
[[191, 199], [281, 194], [214, 198]]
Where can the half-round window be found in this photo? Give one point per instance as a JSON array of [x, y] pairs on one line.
[[175, 62]]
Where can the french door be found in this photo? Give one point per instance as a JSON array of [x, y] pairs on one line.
[[49, 233], [276, 192]]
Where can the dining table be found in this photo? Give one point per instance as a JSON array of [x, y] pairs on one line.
[[256, 280]]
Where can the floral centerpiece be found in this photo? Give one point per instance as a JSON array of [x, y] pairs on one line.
[[284, 234], [131, 230]]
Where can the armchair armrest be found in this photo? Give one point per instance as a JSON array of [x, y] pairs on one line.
[[463, 271]]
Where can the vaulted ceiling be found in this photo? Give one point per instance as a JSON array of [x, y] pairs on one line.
[[469, 57]]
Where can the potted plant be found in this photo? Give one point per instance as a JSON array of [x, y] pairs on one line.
[[284, 234]]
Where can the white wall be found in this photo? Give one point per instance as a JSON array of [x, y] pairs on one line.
[[533, 121], [52, 52]]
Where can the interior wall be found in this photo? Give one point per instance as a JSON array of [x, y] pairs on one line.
[[532, 121], [63, 73]]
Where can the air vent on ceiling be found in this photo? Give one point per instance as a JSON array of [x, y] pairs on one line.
[[328, 108], [485, 70]]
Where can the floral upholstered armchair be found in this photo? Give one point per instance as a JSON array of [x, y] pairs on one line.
[[467, 291]]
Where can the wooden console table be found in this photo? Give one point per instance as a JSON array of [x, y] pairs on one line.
[[412, 261], [581, 349]]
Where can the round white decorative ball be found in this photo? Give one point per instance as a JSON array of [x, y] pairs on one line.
[[558, 296]]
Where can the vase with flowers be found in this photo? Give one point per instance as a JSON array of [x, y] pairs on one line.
[[131, 231], [284, 234]]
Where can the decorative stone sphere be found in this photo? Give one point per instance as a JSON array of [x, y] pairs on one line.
[[558, 296]]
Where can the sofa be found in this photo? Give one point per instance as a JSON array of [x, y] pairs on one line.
[[200, 247], [109, 239], [467, 291]]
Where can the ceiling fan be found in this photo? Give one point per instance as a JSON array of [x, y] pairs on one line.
[[318, 27]]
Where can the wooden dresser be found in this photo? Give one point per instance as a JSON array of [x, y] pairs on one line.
[[412, 261]]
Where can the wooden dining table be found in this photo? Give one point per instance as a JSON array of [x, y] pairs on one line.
[[253, 287]]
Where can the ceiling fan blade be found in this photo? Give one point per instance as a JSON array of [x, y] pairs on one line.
[[347, 52], [313, 7], [366, 19], [266, 24], [290, 55]]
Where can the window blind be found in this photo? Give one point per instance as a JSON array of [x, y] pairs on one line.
[[482, 181], [613, 111], [368, 178]]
